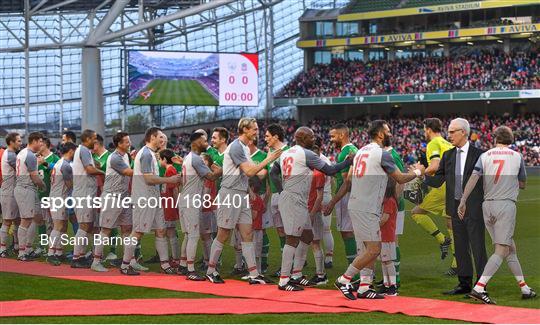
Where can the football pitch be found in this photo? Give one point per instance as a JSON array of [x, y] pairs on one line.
[[422, 275], [176, 92]]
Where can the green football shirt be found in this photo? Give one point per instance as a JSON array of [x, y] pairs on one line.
[[401, 166], [216, 156], [102, 160], [273, 187], [258, 157], [45, 173], [345, 151]]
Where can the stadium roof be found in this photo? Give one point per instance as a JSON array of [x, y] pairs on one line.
[[41, 88], [17, 6]]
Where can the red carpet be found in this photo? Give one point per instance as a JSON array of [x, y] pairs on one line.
[[315, 297], [165, 306]]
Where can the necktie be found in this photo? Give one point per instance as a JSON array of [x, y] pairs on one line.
[[458, 189]]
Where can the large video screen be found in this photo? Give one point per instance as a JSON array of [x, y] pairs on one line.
[[192, 78]]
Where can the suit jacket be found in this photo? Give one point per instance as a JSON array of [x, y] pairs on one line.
[[446, 173]]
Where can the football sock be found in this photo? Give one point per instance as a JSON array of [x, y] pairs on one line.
[[397, 262], [238, 261], [389, 273], [59, 247], [175, 248], [215, 252], [30, 236], [350, 248], [300, 255], [328, 240], [491, 267], [319, 261], [191, 250], [424, 221], [248, 250], [366, 278], [3, 237], [265, 249], [98, 249], [78, 249], [114, 233], [351, 272], [162, 249], [21, 233], [286, 263], [129, 253], [183, 254]]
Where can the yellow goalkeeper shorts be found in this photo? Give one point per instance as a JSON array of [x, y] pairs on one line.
[[435, 201]]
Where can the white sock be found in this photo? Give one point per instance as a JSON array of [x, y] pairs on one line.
[[3, 237], [98, 249], [389, 273], [175, 248], [21, 233], [78, 250], [366, 278], [319, 261], [191, 251], [299, 259], [129, 253], [183, 254], [163, 251], [238, 261], [215, 252], [350, 273], [286, 263], [30, 236], [248, 250], [328, 240], [58, 247], [491, 267], [53, 241]]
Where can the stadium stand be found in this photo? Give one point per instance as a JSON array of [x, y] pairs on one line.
[[409, 137], [480, 70]]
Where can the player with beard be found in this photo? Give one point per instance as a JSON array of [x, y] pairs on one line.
[[366, 181]]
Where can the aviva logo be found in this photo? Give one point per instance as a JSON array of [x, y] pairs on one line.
[[425, 10]]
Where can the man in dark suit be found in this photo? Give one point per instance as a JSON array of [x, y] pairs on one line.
[[455, 168]]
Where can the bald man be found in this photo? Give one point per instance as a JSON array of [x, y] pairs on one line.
[[296, 167]]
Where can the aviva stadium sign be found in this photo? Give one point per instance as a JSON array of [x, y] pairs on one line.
[[433, 35], [464, 6]]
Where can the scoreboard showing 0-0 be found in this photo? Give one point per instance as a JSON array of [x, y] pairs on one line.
[[238, 79], [192, 78]]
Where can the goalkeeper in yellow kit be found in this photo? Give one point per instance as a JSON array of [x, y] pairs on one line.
[[434, 201]]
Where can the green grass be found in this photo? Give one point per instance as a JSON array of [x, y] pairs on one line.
[[184, 92], [421, 276]]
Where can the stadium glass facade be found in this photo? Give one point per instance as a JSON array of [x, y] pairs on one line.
[[54, 74]]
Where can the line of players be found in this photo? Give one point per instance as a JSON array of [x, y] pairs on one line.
[[296, 188]]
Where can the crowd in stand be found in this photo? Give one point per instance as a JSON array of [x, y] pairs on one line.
[[480, 70], [408, 134]]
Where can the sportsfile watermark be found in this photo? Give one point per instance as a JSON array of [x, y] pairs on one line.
[[114, 201]]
